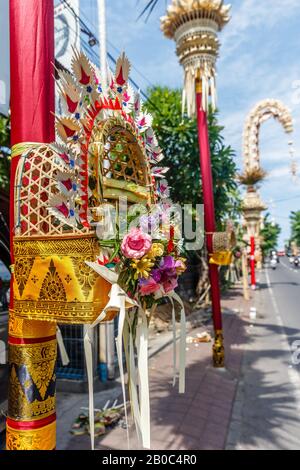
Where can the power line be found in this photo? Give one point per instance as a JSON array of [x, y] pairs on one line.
[[288, 199], [88, 30], [91, 51]]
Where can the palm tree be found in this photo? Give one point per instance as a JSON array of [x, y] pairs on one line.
[[295, 226], [4, 152]]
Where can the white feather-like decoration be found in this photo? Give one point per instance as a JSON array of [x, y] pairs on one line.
[[122, 71], [213, 92], [66, 181], [55, 203], [137, 103]]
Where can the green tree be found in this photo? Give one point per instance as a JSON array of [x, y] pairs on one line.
[[179, 140], [4, 152], [270, 235], [295, 227]]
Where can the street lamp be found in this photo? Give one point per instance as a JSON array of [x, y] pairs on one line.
[[194, 25]]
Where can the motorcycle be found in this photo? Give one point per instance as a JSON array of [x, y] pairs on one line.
[[273, 263], [296, 262]]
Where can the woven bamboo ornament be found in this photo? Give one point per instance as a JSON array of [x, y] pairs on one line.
[[194, 25], [105, 148], [224, 241], [222, 245]]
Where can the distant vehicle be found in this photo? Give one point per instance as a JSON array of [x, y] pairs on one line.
[[291, 259], [273, 263], [296, 262], [281, 253]]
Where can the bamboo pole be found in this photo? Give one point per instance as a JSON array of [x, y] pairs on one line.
[[31, 421]]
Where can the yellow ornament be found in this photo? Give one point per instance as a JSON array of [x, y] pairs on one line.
[[156, 251], [142, 267]]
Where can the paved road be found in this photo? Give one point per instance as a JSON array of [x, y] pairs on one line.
[[266, 413]]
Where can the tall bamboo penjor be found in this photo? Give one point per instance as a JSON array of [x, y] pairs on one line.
[[194, 25]]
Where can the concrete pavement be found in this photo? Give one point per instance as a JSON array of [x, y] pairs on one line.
[[200, 418], [253, 404], [266, 413]]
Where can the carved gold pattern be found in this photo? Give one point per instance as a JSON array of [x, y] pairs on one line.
[[21, 328], [61, 286], [39, 359], [67, 312], [22, 269], [20, 408], [218, 350], [54, 246], [34, 439], [52, 287], [85, 275], [32, 353]]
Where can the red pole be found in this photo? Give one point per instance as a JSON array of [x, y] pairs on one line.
[[210, 227], [252, 263], [31, 409]]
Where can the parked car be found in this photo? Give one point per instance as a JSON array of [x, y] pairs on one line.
[[281, 253]]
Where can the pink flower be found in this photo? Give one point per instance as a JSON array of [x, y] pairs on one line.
[[170, 285], [136, 244], [148, 286]]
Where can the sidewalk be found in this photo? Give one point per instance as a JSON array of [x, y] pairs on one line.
[[200, 418]]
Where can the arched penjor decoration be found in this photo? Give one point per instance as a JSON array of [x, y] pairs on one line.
[[253, 171], [63, 271], [263, 111]]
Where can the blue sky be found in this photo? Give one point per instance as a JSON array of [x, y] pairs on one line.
[[259, 59]]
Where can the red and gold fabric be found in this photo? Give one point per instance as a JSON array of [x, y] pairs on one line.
[[52, 281], [32, 350]]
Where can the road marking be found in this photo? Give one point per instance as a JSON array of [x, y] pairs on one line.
[[289, 268], [292, 372]]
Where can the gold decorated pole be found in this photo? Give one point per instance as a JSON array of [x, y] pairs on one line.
[[31, 418], [195, 26], [31, 422]]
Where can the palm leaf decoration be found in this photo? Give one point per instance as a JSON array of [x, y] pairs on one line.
[[252, 176], [148, 9]]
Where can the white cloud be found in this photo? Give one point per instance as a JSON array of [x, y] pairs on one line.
[[255, 14]]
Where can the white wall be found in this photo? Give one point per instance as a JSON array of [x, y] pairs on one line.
[[4, 57]]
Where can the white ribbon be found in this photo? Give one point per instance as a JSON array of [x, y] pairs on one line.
[[137, 376], [142, 352], [119, 347], [61, 347], [133, 381], [117, 302], [182, 342], [174, 342]]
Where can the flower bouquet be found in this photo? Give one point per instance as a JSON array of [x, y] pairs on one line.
[[143, 267]]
